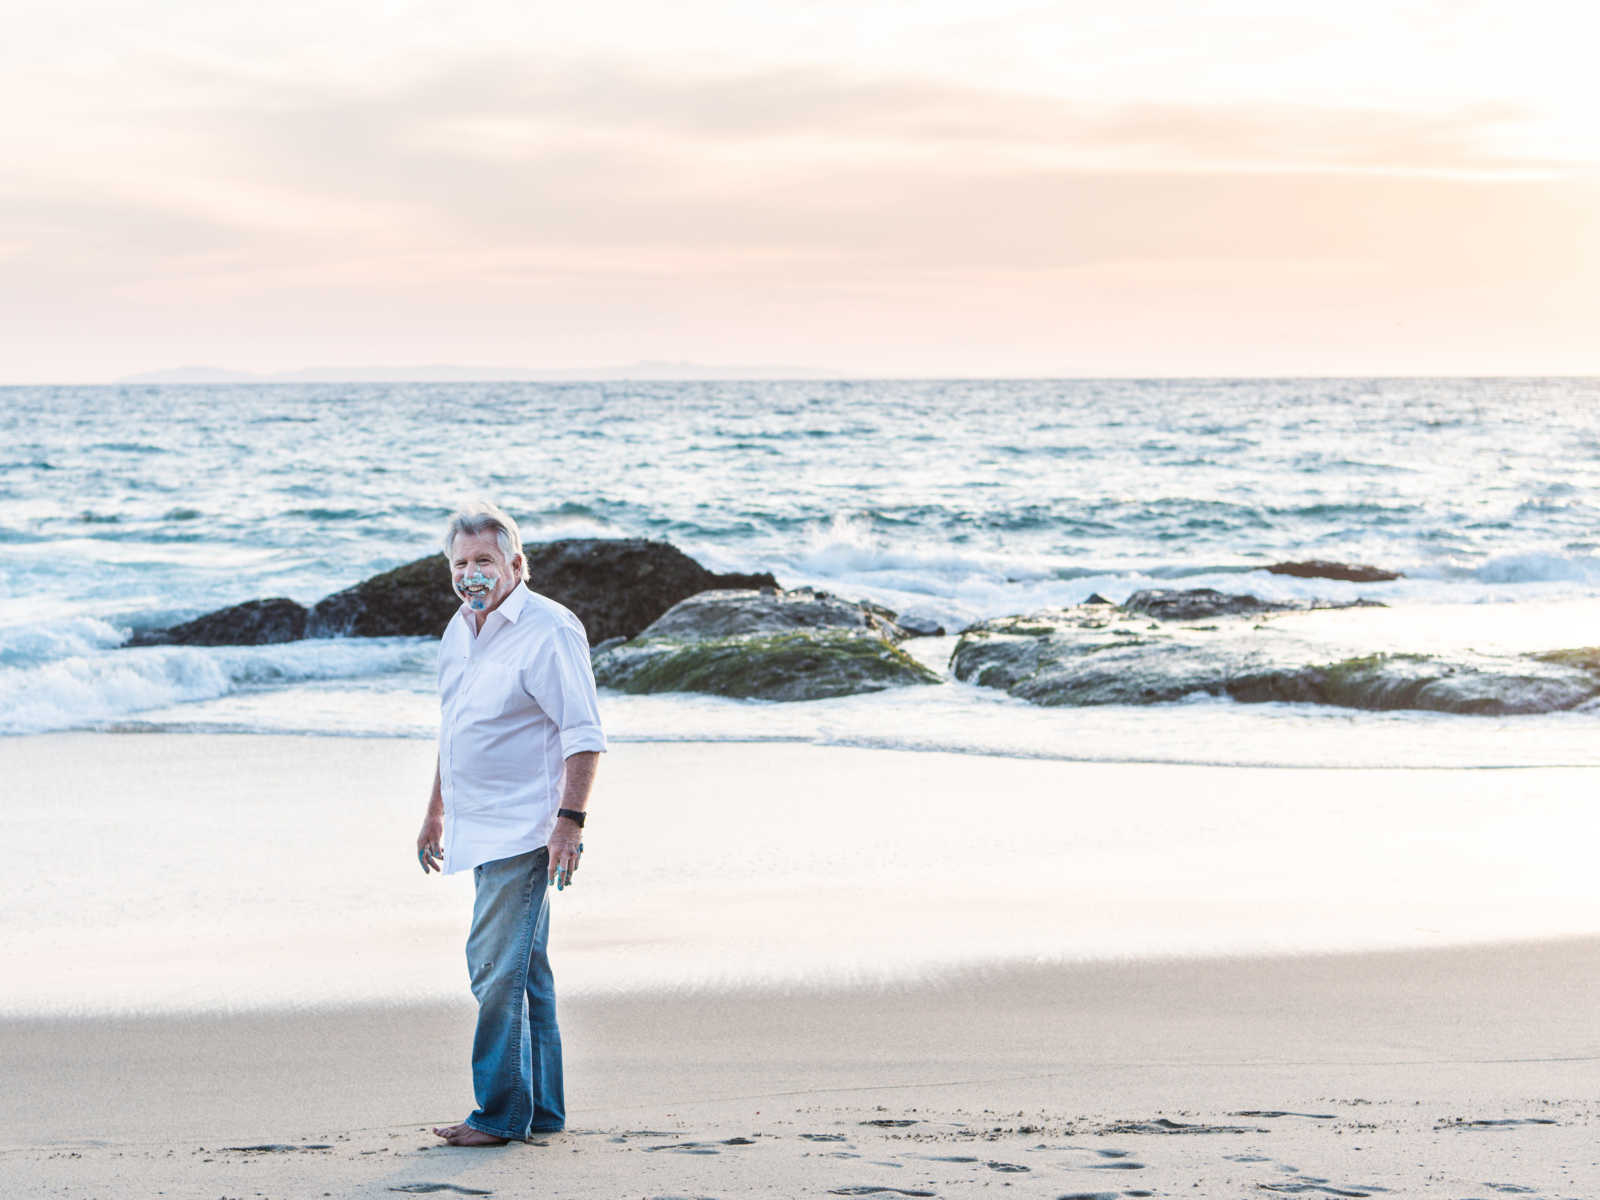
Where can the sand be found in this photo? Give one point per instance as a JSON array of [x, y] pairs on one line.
[[1463, 1072], [1450, 1070]]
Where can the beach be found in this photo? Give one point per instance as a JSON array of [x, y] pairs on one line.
[[1454, 1073], [1071, 978]]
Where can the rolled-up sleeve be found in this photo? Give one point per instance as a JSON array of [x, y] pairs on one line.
[[562, 682]]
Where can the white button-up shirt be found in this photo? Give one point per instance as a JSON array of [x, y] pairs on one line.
[[516, 698]]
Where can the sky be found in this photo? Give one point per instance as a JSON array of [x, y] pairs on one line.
[[945, 187]]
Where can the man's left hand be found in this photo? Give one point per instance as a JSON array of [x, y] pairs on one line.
[[566, 847]]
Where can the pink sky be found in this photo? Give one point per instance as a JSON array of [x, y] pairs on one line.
[[956, 188]]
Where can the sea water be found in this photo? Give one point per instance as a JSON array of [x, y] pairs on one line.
[[132, 507]]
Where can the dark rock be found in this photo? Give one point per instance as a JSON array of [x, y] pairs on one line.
[[1321, 569], [615, 586], [1097, 598], [766, 644], [1168, 604], [253, 623], [915, 626], [415, 600]]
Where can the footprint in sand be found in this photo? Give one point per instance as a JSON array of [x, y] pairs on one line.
[[1162, 1125], [1273, 1112], [1325, 1189], [824, 1137], [891, 1122], [702, 1147], [278, 1148], [870, 1189], [1502, 1123], [440, 1187]]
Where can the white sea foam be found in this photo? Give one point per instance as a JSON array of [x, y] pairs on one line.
[[92, 689], [27, 645], [1539, 568]]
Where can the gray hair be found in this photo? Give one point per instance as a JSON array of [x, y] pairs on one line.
[[481, 516]]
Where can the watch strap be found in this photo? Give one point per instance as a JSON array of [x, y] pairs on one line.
[[572, 815]]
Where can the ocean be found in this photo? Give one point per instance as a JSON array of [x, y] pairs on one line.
[[132, 507]]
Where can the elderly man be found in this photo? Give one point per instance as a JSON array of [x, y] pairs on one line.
[[519, 739]]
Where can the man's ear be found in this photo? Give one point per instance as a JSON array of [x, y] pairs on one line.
[[517, 568]]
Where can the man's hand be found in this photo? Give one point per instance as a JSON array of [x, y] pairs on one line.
[[566, 839], [566, 847], [430, 850]]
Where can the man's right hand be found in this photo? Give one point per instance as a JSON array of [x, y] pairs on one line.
[[430, 848]]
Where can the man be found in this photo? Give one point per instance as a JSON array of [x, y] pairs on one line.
[[519, 740]]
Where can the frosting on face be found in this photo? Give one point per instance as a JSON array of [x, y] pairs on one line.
[[476, 589]]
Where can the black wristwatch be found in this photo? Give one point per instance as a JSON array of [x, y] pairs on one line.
[[572, 815]]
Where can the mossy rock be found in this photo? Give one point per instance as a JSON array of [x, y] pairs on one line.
[[790, 666]]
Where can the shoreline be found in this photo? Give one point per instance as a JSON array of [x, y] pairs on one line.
[[205, 873], [1426, 1072]]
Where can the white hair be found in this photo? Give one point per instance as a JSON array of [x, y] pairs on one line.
[[482, 516]]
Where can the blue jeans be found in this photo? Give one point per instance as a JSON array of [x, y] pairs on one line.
[[516, 1052]]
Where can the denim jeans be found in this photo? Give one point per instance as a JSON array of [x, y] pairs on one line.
[[516, 1052]]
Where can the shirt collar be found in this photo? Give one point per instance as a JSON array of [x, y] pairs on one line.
[[510, 608]]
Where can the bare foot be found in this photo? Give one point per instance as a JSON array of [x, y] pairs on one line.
[[465, 1135]]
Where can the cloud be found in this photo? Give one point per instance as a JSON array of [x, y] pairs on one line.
[[581, 201]]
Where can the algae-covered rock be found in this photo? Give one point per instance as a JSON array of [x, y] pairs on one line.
[[253, 623], [802, 665], [1483, 685], [1091, 655], [733, 611], [764, 644], [1079, 657]]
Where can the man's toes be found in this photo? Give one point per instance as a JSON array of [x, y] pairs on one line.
[[468, 1136]]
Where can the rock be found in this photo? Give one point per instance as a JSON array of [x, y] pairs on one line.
[[1097, 598], [414, 600], [615, 586], [763, 644], [618, 586], [915, 626], [1483, 686], [253, 623], [731, 612], [1075, 657], [1321, 569], [786, 666], [1079, 657], [1168, 604]]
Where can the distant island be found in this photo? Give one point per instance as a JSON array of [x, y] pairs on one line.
[[454, 373]]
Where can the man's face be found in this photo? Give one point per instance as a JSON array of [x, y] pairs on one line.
[[480, 573]]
